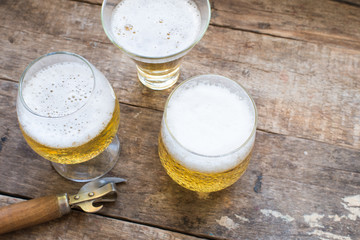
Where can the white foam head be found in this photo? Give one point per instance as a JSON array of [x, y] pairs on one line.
[[155, 28], [59, 89], [67, 104], [206, 122]]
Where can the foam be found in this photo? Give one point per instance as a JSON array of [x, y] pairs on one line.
[[209, 119], [79, 107], [155, 28]]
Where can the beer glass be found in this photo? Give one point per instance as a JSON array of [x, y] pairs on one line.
[[207, 133], [68, 113], [156, 34]]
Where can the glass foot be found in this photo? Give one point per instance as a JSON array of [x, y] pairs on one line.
[[92, 169]]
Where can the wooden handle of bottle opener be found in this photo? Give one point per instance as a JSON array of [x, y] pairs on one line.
[[32, 212]]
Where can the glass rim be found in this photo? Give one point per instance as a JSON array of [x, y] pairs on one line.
[[253, 131], [42, 57], [134, 55]]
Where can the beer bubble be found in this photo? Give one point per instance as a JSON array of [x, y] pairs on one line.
[[128, 27]]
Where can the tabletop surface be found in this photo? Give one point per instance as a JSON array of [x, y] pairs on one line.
[[300, 60]]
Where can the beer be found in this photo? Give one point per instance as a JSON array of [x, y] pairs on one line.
[[68, 112], [156, 34], [207, 133]]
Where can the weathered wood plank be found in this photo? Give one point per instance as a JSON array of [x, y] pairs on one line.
[[289, 183], [79, 225], [325, 22]]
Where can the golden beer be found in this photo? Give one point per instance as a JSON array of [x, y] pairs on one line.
[[82, 153], [207, 133], [198, 181]]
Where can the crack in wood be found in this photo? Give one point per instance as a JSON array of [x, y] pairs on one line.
[[253, 9], [8, 194], [256, 32], [156, 226], [307, 139], [8, 80], [3, 140], [258, 183], [137, 106], [338, 169], [87, 2], [347, 3], [264, 26]]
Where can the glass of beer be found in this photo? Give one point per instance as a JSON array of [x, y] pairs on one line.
[[69, 114], [156, 34], [207, 133]]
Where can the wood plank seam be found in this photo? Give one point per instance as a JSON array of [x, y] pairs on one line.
[[22, 197], [347, 3], [271, 35], [304, 138], [339, 169], [254, 9], [254, 66], [156, 226], [87, 2], [8, 80], [141, 107]]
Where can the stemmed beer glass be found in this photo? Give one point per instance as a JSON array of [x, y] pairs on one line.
[[68, 113], [156, 34]]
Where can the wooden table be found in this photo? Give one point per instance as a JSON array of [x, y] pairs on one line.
[[300, 60]]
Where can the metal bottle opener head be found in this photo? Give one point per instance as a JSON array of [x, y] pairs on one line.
[[100, 190]]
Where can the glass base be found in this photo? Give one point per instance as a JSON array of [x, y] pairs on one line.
[[92, 169], [158, 80]]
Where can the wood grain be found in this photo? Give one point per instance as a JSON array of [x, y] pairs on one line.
[[29, 213], [325, 22], [302, 89], [300, 61], [79, 226], [288, 176]]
